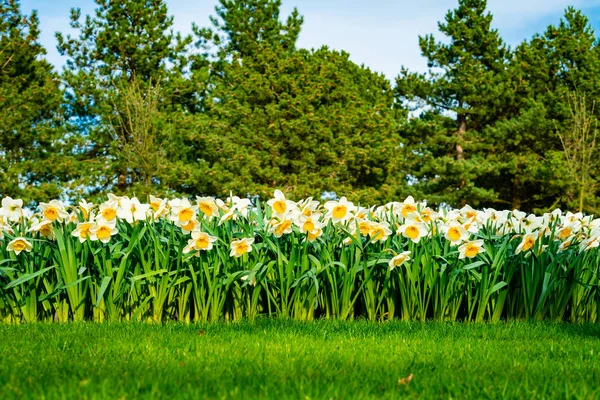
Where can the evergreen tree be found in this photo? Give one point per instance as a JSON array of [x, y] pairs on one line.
[[306, 121], [31, 158], [466, 90], [549, 69], [120, 57]]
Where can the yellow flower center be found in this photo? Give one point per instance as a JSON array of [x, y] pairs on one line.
[[471, 214], [407, 209], [51, 213], [454, 234], [412, 232], [109, 214], [282, 227], [307, 212], [529, 242], [84, 232], [202, 242], [399, 261], [190, 225], [472, 250], [185, 214], [46, 230], [339, 212], [364, 227], [103, 232], [426, 217], [206, 209], [279, 206], [241, 248], [377, 234], [565, 232], [19, 245], [308, 225], [155, 205]]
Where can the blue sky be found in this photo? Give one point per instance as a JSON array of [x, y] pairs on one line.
[[381, 34]]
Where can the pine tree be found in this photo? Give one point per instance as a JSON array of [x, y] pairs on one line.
[[549, 69], [466, 90], [305, 121], [31, 159], [121, 56]]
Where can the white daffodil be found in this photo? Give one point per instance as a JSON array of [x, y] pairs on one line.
[[86, 209], [159, 207], [207, 206], [132, 210], [200, 241], [182, 211], [408, 206], [528, 241], [280, 205], [399, 260], [241, 247], [83, 231], [412, 230], [455, 233], [12, 209], [380, 231], [339, 211], [308, 223], [54, 211], [108, 211], [470, 249], [103, 231], [18, 245]]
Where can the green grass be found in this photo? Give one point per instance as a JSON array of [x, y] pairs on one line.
[[279, 359]]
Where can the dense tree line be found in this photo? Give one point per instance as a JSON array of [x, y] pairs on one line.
[[236, 106]]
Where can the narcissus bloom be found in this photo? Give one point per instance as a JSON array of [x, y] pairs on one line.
[[413, 230], [108, 210], [281, 227], [241, 247], [103, 231], [339, 210], [455, 233], [159, 207], [208, 207], [85, 208], [528, 242], [18, 245], [408, 206], [380, 232], [44, 227], [470, 249], [182, 211], [83, 231], [12, 209], [314, 234], [308, 223], [54, 211], [399, 260], [280, 205], [132, 210], [200, 241]]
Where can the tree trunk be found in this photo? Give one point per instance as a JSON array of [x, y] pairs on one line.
[[516, 197], [462, 128]]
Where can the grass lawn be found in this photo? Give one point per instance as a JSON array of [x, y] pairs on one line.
[[284, 359]]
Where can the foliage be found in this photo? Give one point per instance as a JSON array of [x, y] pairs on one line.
[[212, 260], [31, 134], [121, 55]]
